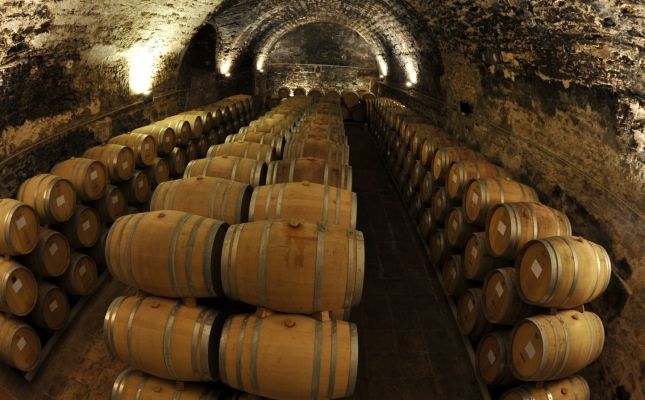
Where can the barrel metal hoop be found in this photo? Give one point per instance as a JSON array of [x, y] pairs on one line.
[[326, 174], [7, 226], [194, 350], [223, 342], [232, 275], [204, 342], [130, 326], [225, 200], [264, 248], [353, 360], [167, 341], [238, 356], [119, 384], [267, 205], [212, 202], [254, 197], [315, 376], [208, 257], [173, 195], [140, 387], [354, 211], [338, 206], [189, 259], [320, 262], [172, 256], [590, 348], [236, 164], [108, 323], [253, 366], [567, 348], [135, 222], [278, 208], [332, 362], [351, 268], [545, 344], [325, 212], [576, 270], [556, 262]]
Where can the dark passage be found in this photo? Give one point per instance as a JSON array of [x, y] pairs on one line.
[[410, 345]]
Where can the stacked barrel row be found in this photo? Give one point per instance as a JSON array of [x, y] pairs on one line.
[[299, 255], [353, 103], [518, 275], [56, 228]]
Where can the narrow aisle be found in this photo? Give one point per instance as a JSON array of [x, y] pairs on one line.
[[410, 346]]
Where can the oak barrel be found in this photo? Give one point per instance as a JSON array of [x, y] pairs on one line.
[[97, 252], [89, 177], [51, 255], [289, 356], [307, 201], [164, 338], [563, 272], [324, 265], [312, 170], [502, 302], [119, 160], [52, 197], [19, 344], [470, 313], [462, 172], [195, 124], [138, 189], [452, 276], [81, 276], [426, 224], [19, 229], [481, 195], [548, 347], [430, 147], [440, 204], [237, 169], [83, 229], [144, 147], [438, 246], [216, 198], [51, 309], [181, 128], [571, 388], [417, 174], [427, 188], [510, 226], [254, 151], [323, 149], [167, 253], [477, 261], [457, 229], [493, 358], [18, 288], [158, 172], [112, 205], [163, 135], [177, 162], [275, 140]]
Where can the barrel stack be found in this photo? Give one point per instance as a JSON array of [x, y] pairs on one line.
[[286, 246], [519, 278]]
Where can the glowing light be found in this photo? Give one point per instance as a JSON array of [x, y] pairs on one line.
[[409, 84], [143, 67], [259, 65], [225, 68], [411, 71], [382, 64]]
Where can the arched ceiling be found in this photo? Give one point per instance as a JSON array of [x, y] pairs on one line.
[[255, 26]]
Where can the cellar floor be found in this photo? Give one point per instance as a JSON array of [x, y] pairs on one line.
[[409, 344]]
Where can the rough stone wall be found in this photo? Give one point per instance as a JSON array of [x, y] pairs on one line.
[[556, 90], [325, 56]]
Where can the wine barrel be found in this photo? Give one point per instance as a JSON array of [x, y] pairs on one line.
[[325, 265], [254, 151], [417, 174], [573, 387], [119, 160], [494, 359], [19, 344], [312, 170], [81, 276], [408, 163], [158, 172], [18, 288], [427, 188], [407, 191], [112, 205], [181, 128], [510, 226], [482, 195], [195, 124], [168, 253], [457, 230], [207, 120], [83, 229], [438, 247], [502, 302], [275, 140], [52, 197], [164, 338], [549, 347], [18, 228], [477, 261], [440, 204], [97, 252], [445, 156], [192, 151], [289, 356], [244, 170], [416, 207], [323, 149], [216, 198], [426, 224], [89, 177], [177, 162], [163, 135], [320, 134], [563, 272], [51, 309], [462, 172], [452, 276], [308, 201], [138, 189], [434, 135], [470, 313], [143, 146], [135, 385], [51, 255], [203, 144], [430, 146]]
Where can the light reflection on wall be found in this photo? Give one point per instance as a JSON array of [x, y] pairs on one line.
[[143, 67]]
